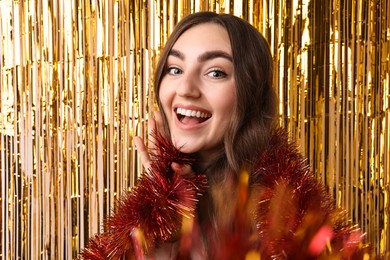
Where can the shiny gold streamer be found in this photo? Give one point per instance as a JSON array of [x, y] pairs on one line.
[[75, 87]]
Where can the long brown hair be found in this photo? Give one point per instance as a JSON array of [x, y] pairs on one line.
[[256, 104]]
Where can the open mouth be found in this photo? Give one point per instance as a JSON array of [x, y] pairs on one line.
[[187, 116]]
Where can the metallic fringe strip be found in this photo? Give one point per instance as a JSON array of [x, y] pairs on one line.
[[75, 87]]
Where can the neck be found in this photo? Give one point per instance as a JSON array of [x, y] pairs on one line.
[[207, 159]]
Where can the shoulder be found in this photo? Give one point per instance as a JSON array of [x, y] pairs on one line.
[[291, 201], [281, 168], [280, 160]]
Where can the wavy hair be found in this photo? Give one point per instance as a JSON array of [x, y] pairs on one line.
[[255, 109]]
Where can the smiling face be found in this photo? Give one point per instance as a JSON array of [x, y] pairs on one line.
[[197, 92]]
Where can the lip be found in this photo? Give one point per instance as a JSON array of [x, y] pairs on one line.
[[182, 126]]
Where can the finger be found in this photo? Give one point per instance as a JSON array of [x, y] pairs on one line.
[[182, 169], [142, 151], [151, 132], [158, 118]]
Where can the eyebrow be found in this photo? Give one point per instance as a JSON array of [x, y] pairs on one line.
[[208, 55]]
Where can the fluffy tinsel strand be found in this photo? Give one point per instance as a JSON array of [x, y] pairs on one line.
[[155, 207]]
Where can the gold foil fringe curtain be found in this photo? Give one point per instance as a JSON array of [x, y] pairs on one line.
[[76, 86]]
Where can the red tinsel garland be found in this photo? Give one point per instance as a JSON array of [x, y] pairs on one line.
[[155, 207], [294, 216]]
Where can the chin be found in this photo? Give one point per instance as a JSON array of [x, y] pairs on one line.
[[181, 146], [184, 149]]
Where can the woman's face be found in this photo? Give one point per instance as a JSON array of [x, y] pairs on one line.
[[197, 92]]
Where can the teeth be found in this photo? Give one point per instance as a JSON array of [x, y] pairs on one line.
[[192, 113]]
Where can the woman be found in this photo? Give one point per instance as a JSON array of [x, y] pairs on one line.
[[222, 181]]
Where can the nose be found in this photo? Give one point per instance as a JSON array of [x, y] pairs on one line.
[[189, 86]]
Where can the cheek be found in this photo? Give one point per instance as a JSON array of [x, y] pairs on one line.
[[165, 108], [164, 97], [230, 107], [228, 103]]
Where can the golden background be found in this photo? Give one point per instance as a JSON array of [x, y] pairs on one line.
[[76, 86]]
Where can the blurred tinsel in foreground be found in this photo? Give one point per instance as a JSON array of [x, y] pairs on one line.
[[277, 211]]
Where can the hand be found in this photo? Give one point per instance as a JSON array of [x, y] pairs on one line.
[[182, 169], [139, 143], [154, 125]]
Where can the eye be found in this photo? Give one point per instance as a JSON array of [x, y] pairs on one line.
[[216, 74], [174, 71]]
